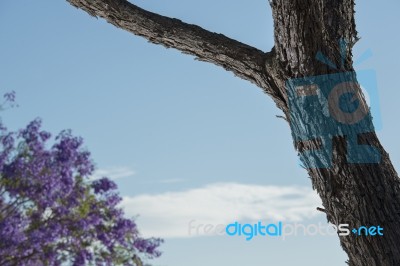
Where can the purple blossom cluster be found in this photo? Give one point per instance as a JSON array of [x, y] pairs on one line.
[[51, 213], [9, 99]]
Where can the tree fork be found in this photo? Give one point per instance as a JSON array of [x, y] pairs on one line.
[[356, 194]]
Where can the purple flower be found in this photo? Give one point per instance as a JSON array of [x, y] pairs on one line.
[[148, 246], [10, 96], [49, 211], [103, 185]]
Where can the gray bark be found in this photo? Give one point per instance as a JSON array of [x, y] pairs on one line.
[[356, 194]]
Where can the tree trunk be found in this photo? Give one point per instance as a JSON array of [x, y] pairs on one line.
[[358, 192], [363, 194]]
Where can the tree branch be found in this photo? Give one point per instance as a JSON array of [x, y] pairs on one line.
[[243, 60]]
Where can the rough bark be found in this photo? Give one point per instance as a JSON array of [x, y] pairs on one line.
[[356, 194]]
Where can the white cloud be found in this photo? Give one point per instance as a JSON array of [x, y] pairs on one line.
[[113, 173], [169, 214]]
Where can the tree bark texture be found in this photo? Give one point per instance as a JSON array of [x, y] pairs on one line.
[[358, 194]]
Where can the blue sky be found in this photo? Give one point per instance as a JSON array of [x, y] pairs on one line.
[[183, 139]]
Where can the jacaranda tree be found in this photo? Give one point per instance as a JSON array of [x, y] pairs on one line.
[[52, 213]]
